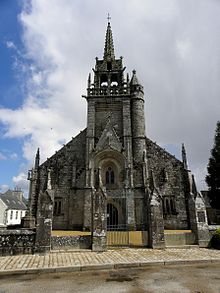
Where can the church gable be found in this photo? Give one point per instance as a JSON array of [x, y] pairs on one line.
[[162, 154], [74, 150], [109, 139], [166, 168]]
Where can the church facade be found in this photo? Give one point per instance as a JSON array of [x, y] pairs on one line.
[[141, 186]]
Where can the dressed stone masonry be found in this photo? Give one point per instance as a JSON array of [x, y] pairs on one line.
[[140, 185]]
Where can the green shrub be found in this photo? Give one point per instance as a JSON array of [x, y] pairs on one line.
[[215, 241]]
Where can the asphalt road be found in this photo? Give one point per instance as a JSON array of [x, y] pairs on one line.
[[157, 279]]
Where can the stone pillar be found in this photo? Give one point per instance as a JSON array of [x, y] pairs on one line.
[[29, 221], [130, 209], [197, 214], [99, 220], [156, 223], [198, 220], [90, 138], [44, 221], [87, 209]]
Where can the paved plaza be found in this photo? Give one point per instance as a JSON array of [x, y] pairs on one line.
[[61, 261]]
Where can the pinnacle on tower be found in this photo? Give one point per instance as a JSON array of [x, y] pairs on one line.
[[134, 79], [109, 53], [184, 158], [37, 159]]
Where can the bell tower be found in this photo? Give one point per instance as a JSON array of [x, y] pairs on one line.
[[115, 127]]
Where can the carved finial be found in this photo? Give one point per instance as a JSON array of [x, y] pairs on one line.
[[89, 80], [134, 79], [49, 186], [184, 157], [128, 78], [37, 159]]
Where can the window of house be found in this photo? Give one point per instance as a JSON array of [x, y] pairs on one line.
[[11, 215], [16, 215]]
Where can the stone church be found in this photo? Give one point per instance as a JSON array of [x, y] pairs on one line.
[[111, 176]]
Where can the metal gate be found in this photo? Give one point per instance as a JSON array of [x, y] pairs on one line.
[[117, 235]]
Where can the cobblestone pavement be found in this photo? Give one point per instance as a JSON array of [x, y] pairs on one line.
[[58, 261]]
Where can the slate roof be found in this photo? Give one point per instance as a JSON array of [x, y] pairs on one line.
[[12, 202]]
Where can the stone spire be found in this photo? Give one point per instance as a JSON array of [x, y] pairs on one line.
[[184, 158], [37, 159], [134, 79], [109, 53]]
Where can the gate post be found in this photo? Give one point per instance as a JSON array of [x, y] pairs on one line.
[[156, 223], [99, 225], [99, 221]]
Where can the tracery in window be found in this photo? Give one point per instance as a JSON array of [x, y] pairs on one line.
[[169, 206], [109, 176]]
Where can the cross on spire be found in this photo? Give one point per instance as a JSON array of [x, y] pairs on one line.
[[109, 46], [108, 17]]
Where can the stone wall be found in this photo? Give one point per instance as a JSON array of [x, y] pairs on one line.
[[14, 242], [67, 181], [171, 182], [71, 242]]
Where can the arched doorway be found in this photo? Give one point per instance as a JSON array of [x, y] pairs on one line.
[[112, 217]]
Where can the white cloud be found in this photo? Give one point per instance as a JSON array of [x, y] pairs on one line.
[[2, 157], [13, 156], [20, 181], [10, 45], [3, 188], [173, 45]]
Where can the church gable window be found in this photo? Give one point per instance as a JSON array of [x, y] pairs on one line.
[[57, 210], [169, 206]]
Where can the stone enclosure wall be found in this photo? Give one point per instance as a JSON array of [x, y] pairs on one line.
[[71, 242], [14, 242]]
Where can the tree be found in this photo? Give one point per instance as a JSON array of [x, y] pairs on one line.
[[213, 177]]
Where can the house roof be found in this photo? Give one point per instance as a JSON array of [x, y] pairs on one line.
[[12, 202]]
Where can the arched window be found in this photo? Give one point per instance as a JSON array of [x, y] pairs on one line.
[[172, 206], [167, 206], [109, 176]]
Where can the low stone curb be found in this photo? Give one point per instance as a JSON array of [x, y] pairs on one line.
[[108, 266]]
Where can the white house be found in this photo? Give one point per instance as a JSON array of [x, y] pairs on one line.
[[12, 208]]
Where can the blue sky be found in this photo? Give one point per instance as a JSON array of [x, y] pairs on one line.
[[47, 49], [11, 91]]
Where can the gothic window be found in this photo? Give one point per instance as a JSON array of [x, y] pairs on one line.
[[163, 176], [172, 207], [109, 176], [57, 211], [169, 206]]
